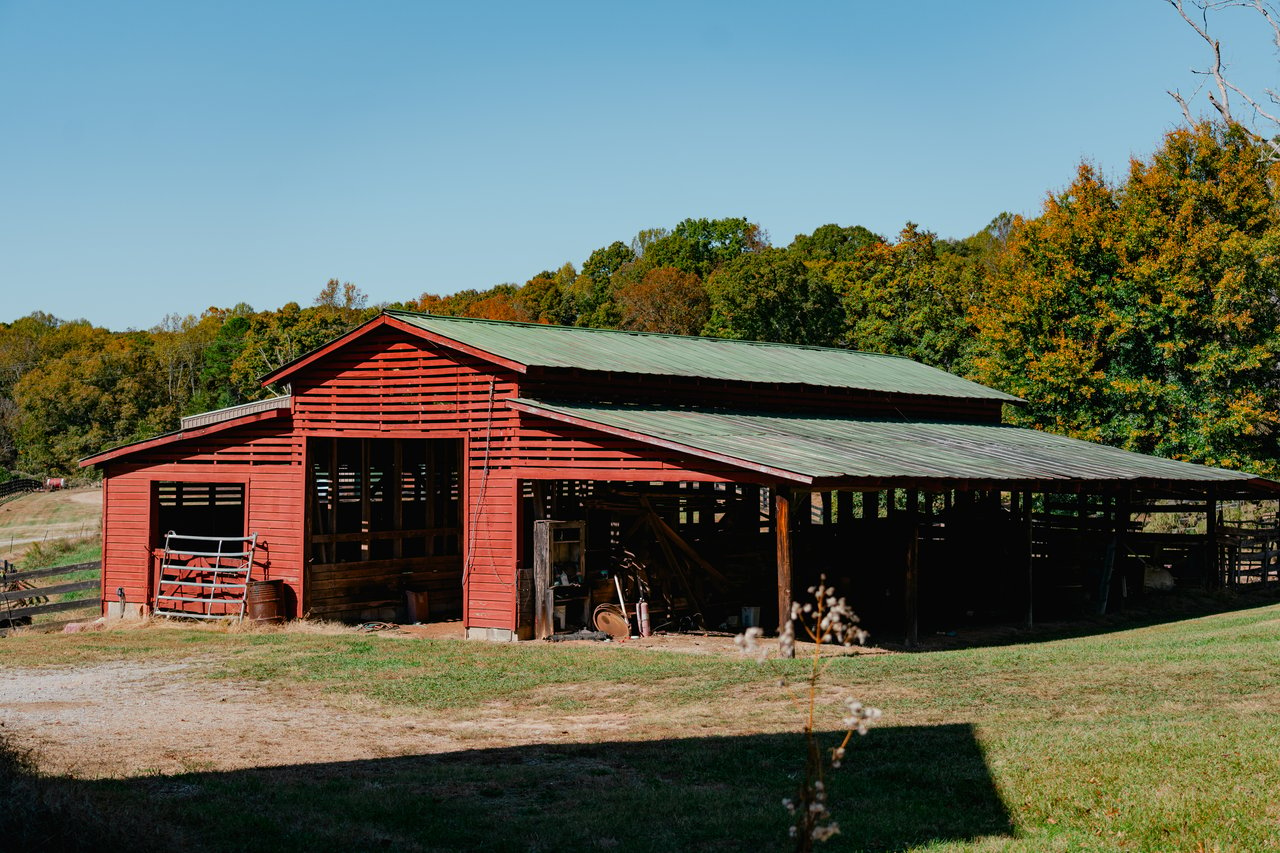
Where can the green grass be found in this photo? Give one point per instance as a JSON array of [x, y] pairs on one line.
[[64, 552], [450, 674], [1159, 738]]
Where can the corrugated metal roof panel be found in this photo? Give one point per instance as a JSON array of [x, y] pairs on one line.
[[233, 412], [817, 447], [707, 358]]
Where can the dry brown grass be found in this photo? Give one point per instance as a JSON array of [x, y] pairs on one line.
[[45, 516]]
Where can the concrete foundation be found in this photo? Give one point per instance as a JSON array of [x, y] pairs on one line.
[[494, 635], [125, 610]]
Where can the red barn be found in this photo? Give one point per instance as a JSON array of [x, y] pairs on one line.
[[416, 453]]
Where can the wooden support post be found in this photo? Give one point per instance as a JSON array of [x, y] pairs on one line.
[[435, 491], [911, 592], [782, 535], [543, 596], [1211, 535], [844, 508], [1132, 587], [331, 548], [310, 509], [871, 506], [1028, 521]]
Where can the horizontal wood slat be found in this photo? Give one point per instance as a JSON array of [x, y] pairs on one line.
[[41, 591], [6, 615], [54, 572]]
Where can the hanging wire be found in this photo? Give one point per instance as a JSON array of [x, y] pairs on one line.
[[481, 488]]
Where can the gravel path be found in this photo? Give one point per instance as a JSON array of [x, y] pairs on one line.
[[127, 718]]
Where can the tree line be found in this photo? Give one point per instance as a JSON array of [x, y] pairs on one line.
[[1141, 311]]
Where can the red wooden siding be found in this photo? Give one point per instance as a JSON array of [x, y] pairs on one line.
[[391, 383], [267, 458]]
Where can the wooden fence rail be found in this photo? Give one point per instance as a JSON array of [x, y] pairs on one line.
[[13, 487], [15, 598]]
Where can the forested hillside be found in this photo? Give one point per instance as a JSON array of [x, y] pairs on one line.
[[1142, 312]]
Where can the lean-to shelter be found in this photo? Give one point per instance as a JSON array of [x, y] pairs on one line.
[[505, 474]]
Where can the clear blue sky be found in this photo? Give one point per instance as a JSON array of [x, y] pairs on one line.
[[164, 157]]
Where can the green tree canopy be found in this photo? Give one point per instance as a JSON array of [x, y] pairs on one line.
[[772, 296], [700, 246], [101, 389], [1147, 314], [833, 243], [909, 298]]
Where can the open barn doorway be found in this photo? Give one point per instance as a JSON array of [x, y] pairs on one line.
[[384, 529], [697, 554]]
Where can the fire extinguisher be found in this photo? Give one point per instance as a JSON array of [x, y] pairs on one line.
[[642, 616]]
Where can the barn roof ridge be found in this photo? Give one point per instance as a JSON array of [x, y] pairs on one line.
[[399, 312]]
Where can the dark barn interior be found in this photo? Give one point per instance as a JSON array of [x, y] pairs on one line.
[[703, 556]]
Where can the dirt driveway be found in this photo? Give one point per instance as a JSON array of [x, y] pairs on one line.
[[130, 718], [36, 517], [126, 718]]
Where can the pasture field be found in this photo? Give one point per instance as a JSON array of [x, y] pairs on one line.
[[44, 517], [1162, 737]]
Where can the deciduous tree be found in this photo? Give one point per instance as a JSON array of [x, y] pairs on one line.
[[666, 300], [701, 246], [833, 243], [772, 296], [1147, 314]]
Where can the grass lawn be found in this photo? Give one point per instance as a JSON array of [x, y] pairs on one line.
[[65, 552], [1157, 738]]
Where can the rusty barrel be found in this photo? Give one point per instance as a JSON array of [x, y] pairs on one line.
[[265, 601]]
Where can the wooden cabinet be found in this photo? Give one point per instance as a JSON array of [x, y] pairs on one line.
[[559, 572]]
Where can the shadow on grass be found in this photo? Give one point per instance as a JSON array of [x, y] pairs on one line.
[[902, 786]]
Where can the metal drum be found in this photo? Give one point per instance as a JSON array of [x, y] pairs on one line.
[[264, 602]]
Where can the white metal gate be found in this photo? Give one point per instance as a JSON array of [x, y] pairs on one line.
[[204, 577]]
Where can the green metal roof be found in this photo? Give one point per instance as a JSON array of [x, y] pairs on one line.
[[707, 358], [817, 447]]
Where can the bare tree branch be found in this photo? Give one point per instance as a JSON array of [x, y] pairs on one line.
[[1223, 102], [1254, 104], [1182, 102], [1272, 18]]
